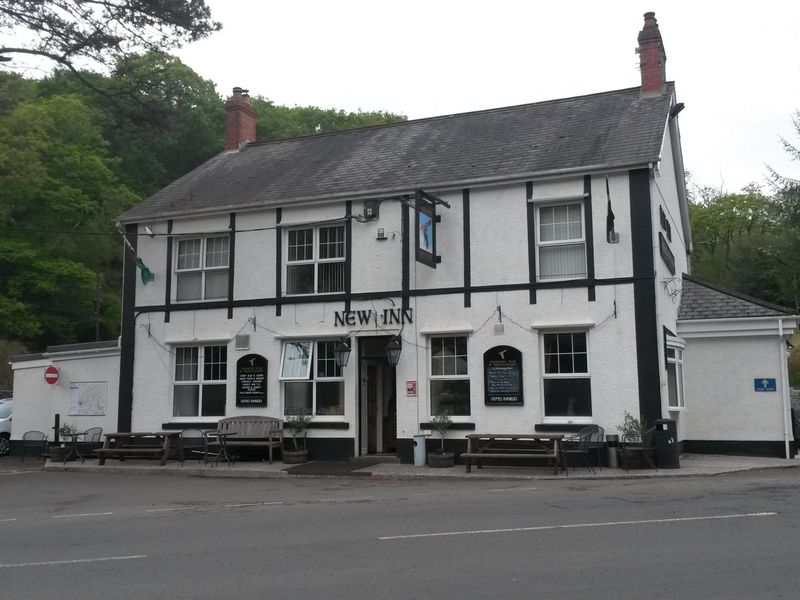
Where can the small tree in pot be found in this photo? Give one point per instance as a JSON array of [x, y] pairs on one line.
[[439, 458], [297, 425]]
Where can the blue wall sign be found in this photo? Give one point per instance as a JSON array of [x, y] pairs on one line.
[[764, 384]]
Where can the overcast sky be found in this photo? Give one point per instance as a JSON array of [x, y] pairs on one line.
[[736, 69]]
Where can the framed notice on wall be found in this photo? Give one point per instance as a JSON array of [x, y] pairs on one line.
[[251, 381], [87, 398], [502, 376]]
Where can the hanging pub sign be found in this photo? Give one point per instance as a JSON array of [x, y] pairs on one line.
[[502, 376], [251, 381], [425, 220]]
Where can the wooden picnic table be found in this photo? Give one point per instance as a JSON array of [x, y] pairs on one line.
[[512, 446], [121, 444]]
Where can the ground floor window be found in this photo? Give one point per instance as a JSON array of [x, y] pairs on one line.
[[675, 391], [312, 382], [201, 374], [566, 382], [449, 380]]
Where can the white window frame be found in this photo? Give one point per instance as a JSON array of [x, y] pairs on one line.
[[449, 376], [677, 346], [199, 380], [202, 268], [315, 259], [572, 375], [311, 374], [564, 242]]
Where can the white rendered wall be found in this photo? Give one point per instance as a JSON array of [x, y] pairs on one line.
[[721, 403], [36, 402]]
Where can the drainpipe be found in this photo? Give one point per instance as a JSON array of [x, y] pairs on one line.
[[784, 386]]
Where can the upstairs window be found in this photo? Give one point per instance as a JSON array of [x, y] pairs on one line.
[[315, 260], [202, 268], [561, 241]]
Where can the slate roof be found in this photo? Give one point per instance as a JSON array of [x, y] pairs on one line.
[[596, 132], [701, 300]]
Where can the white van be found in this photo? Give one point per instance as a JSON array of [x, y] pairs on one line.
[[6, 407]]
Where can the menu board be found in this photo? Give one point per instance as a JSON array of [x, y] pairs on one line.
[[502, 376], [251, 381]]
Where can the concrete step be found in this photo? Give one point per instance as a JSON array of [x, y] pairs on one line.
[[372, 458]]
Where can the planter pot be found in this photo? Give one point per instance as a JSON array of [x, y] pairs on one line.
[[57, 453], [439, 460], [293, 457]]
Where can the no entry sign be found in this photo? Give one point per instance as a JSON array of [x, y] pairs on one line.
[[51, 375]]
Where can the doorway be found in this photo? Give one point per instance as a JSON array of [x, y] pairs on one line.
[[377, 406]]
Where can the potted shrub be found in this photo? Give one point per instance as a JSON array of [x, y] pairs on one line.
[[439, 458], [631, 430], [297, 425]]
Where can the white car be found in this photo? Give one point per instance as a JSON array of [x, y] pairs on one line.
[[6, 407]]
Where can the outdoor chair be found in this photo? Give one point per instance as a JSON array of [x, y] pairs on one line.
[[579, 446], [596, 444], [194, 442], [90, 439], [639, 445], [36, 440]]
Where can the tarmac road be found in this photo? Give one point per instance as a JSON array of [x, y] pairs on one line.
[[96, 535]]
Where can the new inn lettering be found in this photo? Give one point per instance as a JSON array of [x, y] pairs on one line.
[[389, 316]]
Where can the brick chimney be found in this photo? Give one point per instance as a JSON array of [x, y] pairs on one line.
[[652, 58], [240, 120]]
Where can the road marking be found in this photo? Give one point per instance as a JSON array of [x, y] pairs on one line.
[[82, 515], [169, 509], [253, 504], [6, 520], [578, 525], [70, 562], [520, 489], [17, 472]]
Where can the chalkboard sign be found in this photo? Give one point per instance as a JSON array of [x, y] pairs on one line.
[[502, 376], [251, 381]]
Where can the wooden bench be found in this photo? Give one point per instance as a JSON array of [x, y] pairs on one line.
[[122, 444], [510, 446], [253, 431]]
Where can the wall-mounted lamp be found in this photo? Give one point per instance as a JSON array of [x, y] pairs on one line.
[[341, 352], [393, 349]]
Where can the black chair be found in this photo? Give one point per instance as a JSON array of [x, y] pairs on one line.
[[194, 442], [90, 439], [640, 445], [36, 440], [578, 446], [596, 444]]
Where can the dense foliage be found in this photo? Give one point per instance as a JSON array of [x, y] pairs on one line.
[[71, 162]]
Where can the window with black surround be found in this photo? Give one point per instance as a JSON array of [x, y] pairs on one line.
[[561, 241], [313, 384], [449, 380], [565, 374], [674, 349], [202, 268], [315, 260], [201, 375]]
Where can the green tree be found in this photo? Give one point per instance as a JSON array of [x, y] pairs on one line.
[[99, 31], [57, 183]]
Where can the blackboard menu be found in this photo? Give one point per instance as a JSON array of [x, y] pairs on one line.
[[502, 376], [251, 381]]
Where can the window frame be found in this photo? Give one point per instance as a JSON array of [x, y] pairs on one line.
[[538, 206], [316, 261], [313, 377], [200, 380], [203, 269], [449, 376], [576, 375], [678, 347]]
